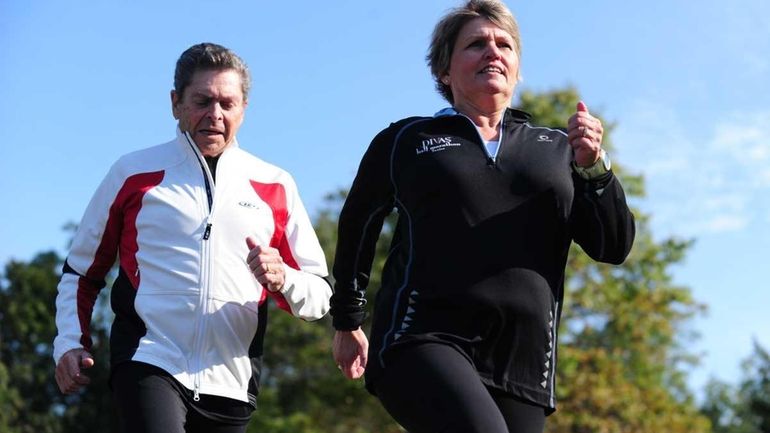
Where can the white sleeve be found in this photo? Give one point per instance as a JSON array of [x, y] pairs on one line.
[[305, 290], [91, 257]]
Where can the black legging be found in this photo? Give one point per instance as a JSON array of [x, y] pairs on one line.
[[432, 388], [149, 400]]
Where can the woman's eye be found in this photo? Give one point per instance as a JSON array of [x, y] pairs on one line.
[[476, 44]]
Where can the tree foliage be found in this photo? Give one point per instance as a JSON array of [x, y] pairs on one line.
[[30, 401], [755, 389], [745, 408]]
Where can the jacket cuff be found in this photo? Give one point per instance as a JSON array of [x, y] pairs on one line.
[[307, 294], [347, 322], [347, 314]]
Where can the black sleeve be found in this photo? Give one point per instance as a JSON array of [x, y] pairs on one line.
[[602, 223], [369, 201]]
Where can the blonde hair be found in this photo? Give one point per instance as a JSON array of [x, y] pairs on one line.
[[446, 31]]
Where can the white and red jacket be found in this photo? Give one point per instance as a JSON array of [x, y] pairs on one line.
[[185, 299]]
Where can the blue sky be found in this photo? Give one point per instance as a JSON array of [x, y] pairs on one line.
[[687, 84]]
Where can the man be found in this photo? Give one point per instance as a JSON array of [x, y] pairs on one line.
[[204, 232]]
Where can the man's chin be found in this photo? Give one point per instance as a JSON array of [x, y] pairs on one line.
[[208, 145]]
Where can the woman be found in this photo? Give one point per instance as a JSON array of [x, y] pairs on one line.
[[464, 328]]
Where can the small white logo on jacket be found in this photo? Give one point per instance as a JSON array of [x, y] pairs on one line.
[[436, 144]]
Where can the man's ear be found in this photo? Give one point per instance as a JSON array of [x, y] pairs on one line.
[[174, 103]]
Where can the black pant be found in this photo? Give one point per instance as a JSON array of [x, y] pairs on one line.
[[433, 388], [149, 400]]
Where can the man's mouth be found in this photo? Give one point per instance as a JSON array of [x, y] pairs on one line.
[[210, 132]]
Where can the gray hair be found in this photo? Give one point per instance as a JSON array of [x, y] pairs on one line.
[[206, 57], [446, 31]]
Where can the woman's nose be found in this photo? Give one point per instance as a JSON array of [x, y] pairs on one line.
[[493, 51]]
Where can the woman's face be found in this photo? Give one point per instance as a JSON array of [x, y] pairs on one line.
[[484, 64]]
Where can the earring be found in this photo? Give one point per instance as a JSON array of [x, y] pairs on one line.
[[445, 80]]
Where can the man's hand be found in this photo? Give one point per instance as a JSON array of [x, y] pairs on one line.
[[69, 374], [266, 264]]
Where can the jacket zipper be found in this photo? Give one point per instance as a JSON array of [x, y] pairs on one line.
[[205, 270], [500, 140], [201, 328], [491, 161]]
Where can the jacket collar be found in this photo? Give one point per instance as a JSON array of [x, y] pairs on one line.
[[186, 141], [511, 114]]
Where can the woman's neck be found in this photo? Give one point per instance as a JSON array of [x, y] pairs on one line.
[[486, 119]]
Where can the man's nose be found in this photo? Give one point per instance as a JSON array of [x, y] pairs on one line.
[[215, 112]]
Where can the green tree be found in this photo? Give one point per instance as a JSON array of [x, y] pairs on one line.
[[723, 409], [746, 408], [30, 401], [756, 387]]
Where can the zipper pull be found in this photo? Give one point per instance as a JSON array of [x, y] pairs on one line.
[[207, 233], [196, 394]]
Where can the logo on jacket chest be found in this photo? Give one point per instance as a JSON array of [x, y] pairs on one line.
[[436, 144], [248, 204]]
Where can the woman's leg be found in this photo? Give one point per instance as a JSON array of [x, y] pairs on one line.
[[432, 388], [520, 417]]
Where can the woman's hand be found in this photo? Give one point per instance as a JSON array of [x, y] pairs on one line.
[[584, 133], [350, 350]]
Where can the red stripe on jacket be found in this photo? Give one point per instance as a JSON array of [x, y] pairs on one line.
[[119, 233], [274, 194]]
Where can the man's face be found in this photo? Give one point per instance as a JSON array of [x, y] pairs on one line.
[[211, 109]]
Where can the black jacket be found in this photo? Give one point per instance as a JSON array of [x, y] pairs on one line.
[[479, 251]]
